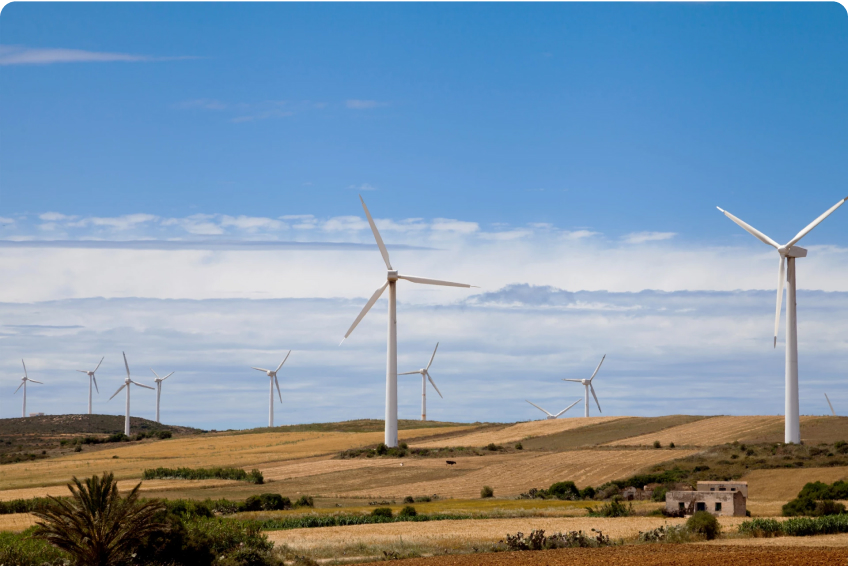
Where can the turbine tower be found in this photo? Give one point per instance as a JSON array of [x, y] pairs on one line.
[[126, 384], [786, 274], [392, 277], [272, 374], [24, 380], [391, 434], [425, 375], [587, 384], [831, 405], [158, 380], [91, 379], [550, 416]]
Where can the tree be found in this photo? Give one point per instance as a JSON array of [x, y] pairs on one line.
[[96, 526]]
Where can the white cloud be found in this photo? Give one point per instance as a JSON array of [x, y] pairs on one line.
[[345, 224], [55, 217], [458, 226], [642, 237], [203, 104], [251, 223], [21, 55], [362, 187]]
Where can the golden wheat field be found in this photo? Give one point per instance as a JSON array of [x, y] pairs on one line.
[[242, 450], [707, 432], [451, 533], [16, 522], [123, 486], [515, 433], [784, 484]]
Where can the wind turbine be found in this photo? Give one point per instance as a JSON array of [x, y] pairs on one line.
[[391, 436], [24, 380], [550, 416], [90, 379], [273, 375], [587, 384], [158, 380], [126, 384], [425, 375], [786, 274], [829, 403]]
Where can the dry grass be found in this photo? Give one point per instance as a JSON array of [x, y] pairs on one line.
[[830, 541], [707, 432], [123, 485], [453, 533], [784, 484], [516, 432], [243, 450], [16, 522]]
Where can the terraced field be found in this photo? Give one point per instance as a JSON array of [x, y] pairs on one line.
[[707, 432], [516, 432]]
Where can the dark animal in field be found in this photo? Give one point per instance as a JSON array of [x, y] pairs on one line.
[[450, 462]]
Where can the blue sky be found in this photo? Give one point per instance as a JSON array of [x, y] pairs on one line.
[[570, 147]]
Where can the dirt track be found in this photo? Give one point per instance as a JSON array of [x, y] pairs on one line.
[[648, 555]]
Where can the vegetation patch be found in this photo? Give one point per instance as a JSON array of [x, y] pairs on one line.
[[796, 526], [253, 476], [537, 540]]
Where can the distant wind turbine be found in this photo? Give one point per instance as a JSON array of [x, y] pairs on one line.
[[550, 416], [158, 382], [272, 374], [425, 375], [587, 384], [126, 384], [391, 435], [23, 384], [829, 403], [91, 379], [786, 274]]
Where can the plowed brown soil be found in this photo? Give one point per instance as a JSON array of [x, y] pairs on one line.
[[648, 555]]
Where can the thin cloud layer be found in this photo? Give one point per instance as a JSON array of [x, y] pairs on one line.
[[22, 55]]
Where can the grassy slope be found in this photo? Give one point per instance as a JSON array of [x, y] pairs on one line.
[[361, 425]]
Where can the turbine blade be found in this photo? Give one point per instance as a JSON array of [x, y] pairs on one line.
[[167, 376], [409, 372], [141, 384], [126, 364], [433, 356], [567, 408], [377, 237], [815, 223], [98, 363], [19, 386], [34, 381], [261, 369], [433, 383], [95, 384], [425, 281], [751, 230], [280, 395], [366, 308], [829, 403], [574, 380], [25, 371], [592, 388], [781, 279], [597, 368], [282, 362], [154, 373], [82, 371], [118, 391], [540, 408]]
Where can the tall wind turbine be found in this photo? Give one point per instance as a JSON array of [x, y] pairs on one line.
[[272, 374], [786, 274], [831, 405], [391, 436], [126, 384], [90, 379], [587, 384], [550, 416], [158, 382], [425, 375], [24, 380]]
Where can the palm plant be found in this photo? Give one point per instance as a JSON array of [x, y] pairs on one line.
[[98, 527]]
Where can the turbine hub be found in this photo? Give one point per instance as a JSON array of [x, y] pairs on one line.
[[392, 275]]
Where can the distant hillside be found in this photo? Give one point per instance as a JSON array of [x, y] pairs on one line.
[[360, 425], [82, 424]]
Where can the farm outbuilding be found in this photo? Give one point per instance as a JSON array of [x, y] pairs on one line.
[[740, 486], [719, 503]]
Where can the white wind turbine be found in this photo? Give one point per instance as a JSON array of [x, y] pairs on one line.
[[425, 375], [391, 436], [158, 380], [272, 374], [126, 384], [550, 416], [91, 378], [23, 384], [829, 403], [587, 384], [786, 274]]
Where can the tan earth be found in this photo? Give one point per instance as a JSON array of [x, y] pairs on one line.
[[516, 432], [707, 432]]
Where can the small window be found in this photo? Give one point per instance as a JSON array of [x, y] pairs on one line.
[[701, 506], [718, 506], [722, 489], [681, 506], [712, 489], [732, 489]]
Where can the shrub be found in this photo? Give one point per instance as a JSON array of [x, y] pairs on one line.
[[305, 501], [671, 444], [254, 476], [382, 449], [267, 502], [519, 446], [587, 492], [659, 493], [828, 507], [382, 512], [409, 499], [403, 446], [704, 524], [487, 492], [761, 528], [564, 490], [163, 434], [614, 508], [21, 549], [424, 499], [657, 444], [408, 511], [537, 540], [493, 447]]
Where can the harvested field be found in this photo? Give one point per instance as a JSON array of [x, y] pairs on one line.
[[831, 541], [123, 486], [784, 484], [17, 522], [453, 533], [648, 555], [707, 432], [516, 432], [243, 450]]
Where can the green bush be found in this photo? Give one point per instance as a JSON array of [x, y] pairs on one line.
[[519, 446], [704, 524], [487, 492], [408, 511], [761, 528], [382, 449], [267, 502], [614, 508], [254, 476], [564, 490], [409, 499], [659, 493], [587, 492], [22, 549], [305, 501], [657, 444], [382, 512]]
